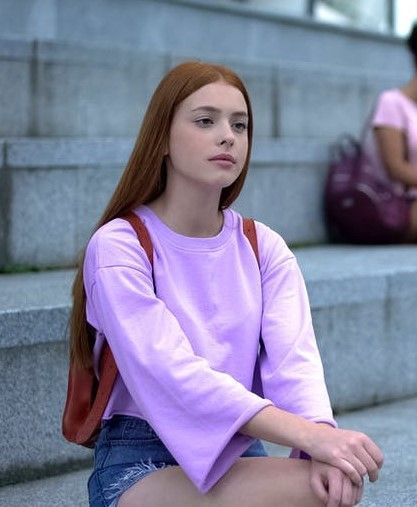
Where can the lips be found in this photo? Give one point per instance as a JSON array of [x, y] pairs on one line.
[[224, 156]]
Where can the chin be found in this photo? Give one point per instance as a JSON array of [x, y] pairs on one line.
[[220, 182], [227, 179], [226, 183]]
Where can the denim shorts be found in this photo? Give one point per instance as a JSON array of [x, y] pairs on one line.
[[127, 450]]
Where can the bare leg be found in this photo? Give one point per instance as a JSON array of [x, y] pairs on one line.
[[250, 482]]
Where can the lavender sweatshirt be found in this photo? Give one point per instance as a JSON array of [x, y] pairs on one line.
[[187, 354]]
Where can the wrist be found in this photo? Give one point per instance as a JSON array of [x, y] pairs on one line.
[[304, 435], [312, 435]]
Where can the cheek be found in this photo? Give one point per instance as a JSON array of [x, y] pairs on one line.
[[184, 142], [244, 149], [176, 147]]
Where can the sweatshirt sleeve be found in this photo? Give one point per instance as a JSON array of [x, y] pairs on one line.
[[290, 365], [389, 111], [195, 410]]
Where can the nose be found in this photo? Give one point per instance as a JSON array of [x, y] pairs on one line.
[[226, 135]]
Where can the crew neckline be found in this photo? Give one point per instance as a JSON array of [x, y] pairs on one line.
[[165, 233]]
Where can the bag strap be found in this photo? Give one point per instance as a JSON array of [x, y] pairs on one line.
[[108, 368], [142, 234], [250, 232]]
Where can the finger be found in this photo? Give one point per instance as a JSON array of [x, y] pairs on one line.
[[374, 452], [359, 494], [335, 488], [347, 492], [372, 468], [347, 468], [355, 491], [358, 462], [319, 488], [355, 494]]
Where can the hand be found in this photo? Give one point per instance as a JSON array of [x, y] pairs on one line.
[[354, 453], [333, 487]]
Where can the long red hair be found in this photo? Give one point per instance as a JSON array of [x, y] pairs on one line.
[[144, 177]]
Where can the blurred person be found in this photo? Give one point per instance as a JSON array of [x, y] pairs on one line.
[[391, 146], [190, 334]]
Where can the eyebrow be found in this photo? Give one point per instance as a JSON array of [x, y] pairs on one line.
[[216, 110]]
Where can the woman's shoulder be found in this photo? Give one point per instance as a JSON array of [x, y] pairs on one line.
[[390, 94], [270, 241], [114, 244], [393, 109], [393, 97], [271, 245]]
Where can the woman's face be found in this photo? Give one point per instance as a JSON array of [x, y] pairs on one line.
[[208, 140]]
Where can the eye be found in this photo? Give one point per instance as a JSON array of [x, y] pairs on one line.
[[240, 126], [204, 122]]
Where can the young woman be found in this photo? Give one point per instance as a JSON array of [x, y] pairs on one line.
[[184, 420], [392, 146]]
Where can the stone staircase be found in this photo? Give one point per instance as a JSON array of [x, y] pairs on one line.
[[72, 101]]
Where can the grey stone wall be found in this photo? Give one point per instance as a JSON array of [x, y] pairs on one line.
[[210, 29], [56, 190]]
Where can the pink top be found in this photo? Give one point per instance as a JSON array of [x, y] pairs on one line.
[[396, 110], [187, 354]]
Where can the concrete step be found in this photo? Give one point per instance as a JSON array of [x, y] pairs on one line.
[[67, 490], [167, 26], [33, 370], [54, 190], [72, 89], [391, 426], [363, 304]]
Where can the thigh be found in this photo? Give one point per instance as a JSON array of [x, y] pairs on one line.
[[127, 450], [250, 482]]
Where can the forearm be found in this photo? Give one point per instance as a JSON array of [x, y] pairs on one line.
[[392, 144], [279, 427], [352, 452], [404, 172]]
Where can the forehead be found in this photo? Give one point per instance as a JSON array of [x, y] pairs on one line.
[[219, 95]]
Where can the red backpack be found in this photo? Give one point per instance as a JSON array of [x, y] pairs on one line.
[[87, 397]]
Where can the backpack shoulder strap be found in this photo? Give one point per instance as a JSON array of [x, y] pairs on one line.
[[108, 368], [142, 233], [250, 232]]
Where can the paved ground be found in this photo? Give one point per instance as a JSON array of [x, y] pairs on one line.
[[392, 426]]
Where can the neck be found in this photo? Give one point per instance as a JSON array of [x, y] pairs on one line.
[[196, 216]]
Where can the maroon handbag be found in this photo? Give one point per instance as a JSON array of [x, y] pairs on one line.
[[87, 397], [359, 206]]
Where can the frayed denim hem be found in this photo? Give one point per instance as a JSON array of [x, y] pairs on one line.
[[129, 477]]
